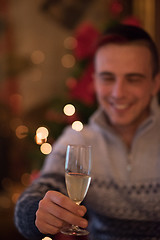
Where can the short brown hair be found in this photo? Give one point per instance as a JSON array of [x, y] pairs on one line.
[[122, 34]]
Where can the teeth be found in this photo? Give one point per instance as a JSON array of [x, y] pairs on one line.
[[120, 106]]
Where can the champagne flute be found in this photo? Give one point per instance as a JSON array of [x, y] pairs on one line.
[[78, 178]]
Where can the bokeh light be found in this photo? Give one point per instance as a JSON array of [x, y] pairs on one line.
[[21, 131], [68, 61], [15, 197], [77, 125], [46, 148], [37, 57], [46, 238], [25, 179], [42, 132], [40, 140], [70, 43], [69, 109]]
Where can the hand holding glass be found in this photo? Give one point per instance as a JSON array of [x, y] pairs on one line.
[[77, 177]]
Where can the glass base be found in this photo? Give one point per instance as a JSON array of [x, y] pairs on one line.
[[74, 231]]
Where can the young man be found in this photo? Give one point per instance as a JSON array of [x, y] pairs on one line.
[[123, 201]]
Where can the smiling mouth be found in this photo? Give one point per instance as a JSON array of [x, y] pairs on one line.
[[120, 106]]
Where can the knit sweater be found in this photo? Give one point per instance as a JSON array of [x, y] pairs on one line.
[[123, 200]]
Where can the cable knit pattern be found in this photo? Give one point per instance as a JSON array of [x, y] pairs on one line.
[[123, 202]]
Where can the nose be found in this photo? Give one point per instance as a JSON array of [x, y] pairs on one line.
[[118, 89]]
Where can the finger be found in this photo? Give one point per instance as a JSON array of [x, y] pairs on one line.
[[66, 202], [68, 216], [49, 219], [46, 228], [63, 208], [83, 209]]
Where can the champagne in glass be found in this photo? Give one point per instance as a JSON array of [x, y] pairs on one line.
[[78, 178], [77, 186]]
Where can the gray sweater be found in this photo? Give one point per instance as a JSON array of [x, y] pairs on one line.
[[123, 200]]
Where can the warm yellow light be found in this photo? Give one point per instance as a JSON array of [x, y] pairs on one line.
[[39, 140], [46, 148], [46, 238], [77, 125], [69, 109], [68, 61], [70, 43], [15, 197], [37, 57], [21, 131], [42, 132]]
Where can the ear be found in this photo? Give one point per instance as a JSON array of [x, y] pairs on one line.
[[156, 88]]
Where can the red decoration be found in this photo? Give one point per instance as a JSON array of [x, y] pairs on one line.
[[131, 20], [116, 7], [84, 89], [71, 82], [86, 35], [34, 175]]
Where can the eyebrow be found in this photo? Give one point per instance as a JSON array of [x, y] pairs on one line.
[[105, 73], [101, 74], [136, 75]]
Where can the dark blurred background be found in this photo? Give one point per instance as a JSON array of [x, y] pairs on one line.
[[46, 48]]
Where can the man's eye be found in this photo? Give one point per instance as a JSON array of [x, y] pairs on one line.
[[134, 80], [107, 79]]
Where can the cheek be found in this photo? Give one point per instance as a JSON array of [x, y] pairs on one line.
[[100, 93], [143, 97], [146, 91], [102, 90]]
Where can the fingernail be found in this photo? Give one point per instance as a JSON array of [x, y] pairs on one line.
[[84, 224], [80, 212]]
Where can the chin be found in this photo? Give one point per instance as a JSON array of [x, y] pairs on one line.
[[119, 123]]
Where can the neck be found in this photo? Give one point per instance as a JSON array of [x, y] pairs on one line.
[[126, 134]]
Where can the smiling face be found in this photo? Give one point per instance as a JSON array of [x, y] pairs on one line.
[[124, 83]]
